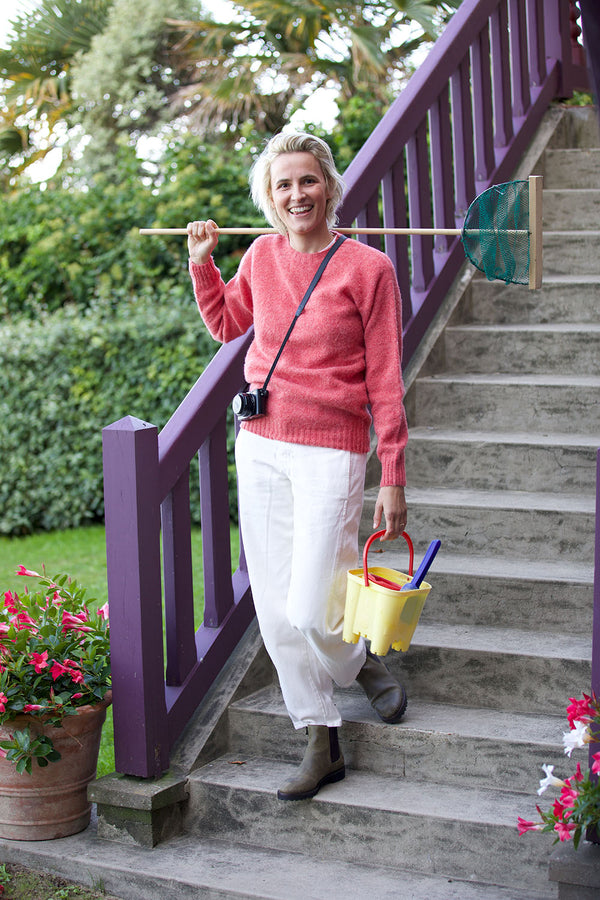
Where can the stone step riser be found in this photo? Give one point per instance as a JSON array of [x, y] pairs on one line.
[[503, 680], [488, 351], [403, 752], [515, 534], [570, 210], [565, 608], [572, 169], [569, 253], [486, 465], [491, 302], [359, 834], [509, 405]]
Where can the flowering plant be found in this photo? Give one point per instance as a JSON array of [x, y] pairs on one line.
[[54, 658], [578, 804]]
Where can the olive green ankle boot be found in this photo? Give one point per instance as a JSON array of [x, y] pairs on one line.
[[323, 763], [387, 696]]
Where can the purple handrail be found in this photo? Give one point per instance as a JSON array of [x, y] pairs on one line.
[[461, 124]]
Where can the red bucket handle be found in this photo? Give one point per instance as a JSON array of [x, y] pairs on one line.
[[378, 534]]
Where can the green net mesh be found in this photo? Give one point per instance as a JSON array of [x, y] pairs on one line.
[[495, 233]]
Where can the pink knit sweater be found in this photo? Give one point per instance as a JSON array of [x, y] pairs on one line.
[[343, 355]]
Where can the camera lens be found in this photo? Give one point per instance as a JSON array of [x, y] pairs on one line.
[[243, 405]]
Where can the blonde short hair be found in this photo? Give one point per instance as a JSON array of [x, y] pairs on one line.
[[300, 142]]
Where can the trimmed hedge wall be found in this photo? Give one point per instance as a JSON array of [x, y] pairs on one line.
[[64, 379]]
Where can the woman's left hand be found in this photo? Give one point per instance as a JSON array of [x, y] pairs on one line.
[[392, 504]]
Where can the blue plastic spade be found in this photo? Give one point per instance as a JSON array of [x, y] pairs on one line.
[[421, 572]]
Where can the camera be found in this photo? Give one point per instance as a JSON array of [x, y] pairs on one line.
[[250, 404]]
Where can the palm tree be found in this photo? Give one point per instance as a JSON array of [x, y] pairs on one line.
[[277, 52], [36, 69]]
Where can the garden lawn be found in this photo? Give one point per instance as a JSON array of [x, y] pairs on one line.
[[81, 553]]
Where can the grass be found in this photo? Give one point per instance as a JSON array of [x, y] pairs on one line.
[[81, 553], [19, 883]]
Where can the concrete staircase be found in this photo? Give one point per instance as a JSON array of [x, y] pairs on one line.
[[505, 423]]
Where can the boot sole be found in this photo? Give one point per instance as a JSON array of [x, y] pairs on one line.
[[331, 778], [391, 720]]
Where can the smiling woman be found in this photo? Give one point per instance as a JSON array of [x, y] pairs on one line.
[[301, 454]]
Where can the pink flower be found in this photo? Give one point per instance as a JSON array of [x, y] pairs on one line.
[[76, 696], [564, 829], [23, 571], [523, 825], [581, 710], [103, 611], [3, 700], [76, 621], [9, 602], [3, 753], [32, 707], [568, 797], [39, 661], [57, 670], [596, 764]]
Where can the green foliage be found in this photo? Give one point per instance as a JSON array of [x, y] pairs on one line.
[[65, 378], [80, 243]]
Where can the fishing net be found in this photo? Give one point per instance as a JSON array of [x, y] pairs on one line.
[[495, 233]]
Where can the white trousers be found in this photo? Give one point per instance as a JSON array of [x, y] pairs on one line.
[[300, 509]]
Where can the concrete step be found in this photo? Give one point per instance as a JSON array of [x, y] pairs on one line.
[[568, 298], [515, 525], [458, 832], [572, 349], [487, 460], [571, 252], [466, 591], [572, 168], [503, 748], [493, 668], [570, 210], [537, 403], [195, 868]]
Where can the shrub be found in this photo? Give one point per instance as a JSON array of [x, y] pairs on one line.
[[67, 376]]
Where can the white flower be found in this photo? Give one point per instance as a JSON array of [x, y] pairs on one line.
[[550, 780], [579, 736]]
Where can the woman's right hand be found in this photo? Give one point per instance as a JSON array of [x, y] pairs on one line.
[[203, 237]]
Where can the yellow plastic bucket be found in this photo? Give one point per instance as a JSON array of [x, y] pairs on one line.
[[377, 609]]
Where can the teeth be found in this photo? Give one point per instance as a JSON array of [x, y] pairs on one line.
[[297, 209]]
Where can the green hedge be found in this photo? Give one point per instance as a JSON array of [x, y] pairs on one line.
[[65, 378]]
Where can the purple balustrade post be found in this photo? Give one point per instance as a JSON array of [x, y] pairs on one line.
[[179, 586], [130, 452], [216, 547], [558, 41], [518, 54]]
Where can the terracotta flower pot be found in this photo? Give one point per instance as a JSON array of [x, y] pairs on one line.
[[52, 802]]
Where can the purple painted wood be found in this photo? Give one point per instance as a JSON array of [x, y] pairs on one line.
[[442, 172], [419, 206], [133, 563], [500, 50], [462, 130], [216, 551], [482, 102], [536, 42], [519, 67], [178, 582]]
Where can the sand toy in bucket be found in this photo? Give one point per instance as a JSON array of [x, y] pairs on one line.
[[384, 605]]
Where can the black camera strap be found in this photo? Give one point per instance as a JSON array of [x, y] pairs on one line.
[[338, 243]]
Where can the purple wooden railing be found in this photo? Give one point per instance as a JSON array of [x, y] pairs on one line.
[[461, 124]]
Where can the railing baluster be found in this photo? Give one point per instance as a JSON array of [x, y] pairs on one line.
[[396, 246], [500, 49], [482, 103], [462, 127], [442, 171], [520, 69], [216, 549], [419, 206], [536, 42], [178, 581]]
